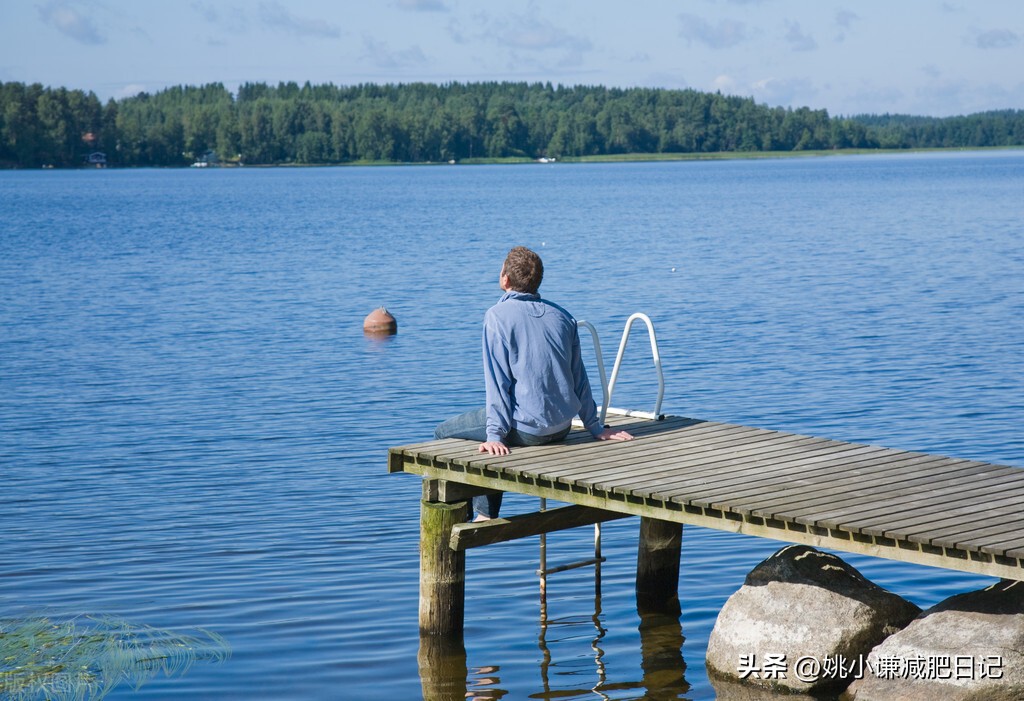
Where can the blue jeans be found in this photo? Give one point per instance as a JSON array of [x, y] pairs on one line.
[[472, 426]]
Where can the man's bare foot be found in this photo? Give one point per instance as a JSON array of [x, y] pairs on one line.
[[481, 517]]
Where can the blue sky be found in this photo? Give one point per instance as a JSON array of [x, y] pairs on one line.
[[928, 57]]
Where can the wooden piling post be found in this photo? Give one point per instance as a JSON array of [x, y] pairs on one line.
[[657, 566], [442, 570]]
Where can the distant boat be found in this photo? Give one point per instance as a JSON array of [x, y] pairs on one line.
[[206, 160]]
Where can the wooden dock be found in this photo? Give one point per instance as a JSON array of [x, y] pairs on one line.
[[914, 507]]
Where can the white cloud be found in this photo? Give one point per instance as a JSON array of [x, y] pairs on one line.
[[723, 35], [845, 20], [724, 83], [230, 19], [797, 40], [67, 18], [997, 39], [130, 90], [532, 42], [788, 92], [382, 56], [456, 32], [878, 99], [276, 16], [422, 5], [958, 97], [530, 33]]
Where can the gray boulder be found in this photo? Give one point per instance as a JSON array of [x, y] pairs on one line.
[[726, 690], [969, 647], [800, 622]]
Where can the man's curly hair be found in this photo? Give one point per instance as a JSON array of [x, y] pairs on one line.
[[525, 270]]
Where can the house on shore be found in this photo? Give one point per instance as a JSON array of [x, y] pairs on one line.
[[208, 159]]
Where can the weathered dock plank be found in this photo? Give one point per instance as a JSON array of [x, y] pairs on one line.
[[858, 481], [892, 504], [909, 506]]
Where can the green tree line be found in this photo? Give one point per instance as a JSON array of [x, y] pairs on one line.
[[419, 122]]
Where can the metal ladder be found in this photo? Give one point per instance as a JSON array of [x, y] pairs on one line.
[[607, 386]]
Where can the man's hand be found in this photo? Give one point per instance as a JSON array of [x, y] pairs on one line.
[[611, 434], [494, 448]]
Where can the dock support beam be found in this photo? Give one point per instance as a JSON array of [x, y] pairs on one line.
[[442, 570], [657, 566]]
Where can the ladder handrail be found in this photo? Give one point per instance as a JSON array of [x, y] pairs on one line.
[[600, 366], [654, 353], [607, 386]]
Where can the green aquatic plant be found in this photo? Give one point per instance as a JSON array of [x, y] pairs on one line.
[[84, 657]]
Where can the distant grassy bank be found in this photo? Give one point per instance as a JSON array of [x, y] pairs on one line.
[[760, 155], [653, 158]]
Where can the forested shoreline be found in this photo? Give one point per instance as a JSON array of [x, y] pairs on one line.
[[419, 122]]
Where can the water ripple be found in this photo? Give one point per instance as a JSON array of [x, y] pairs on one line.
[[193, 429]]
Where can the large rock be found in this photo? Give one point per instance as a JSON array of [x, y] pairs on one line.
[[726, 690], [800, 622], [969, 647]]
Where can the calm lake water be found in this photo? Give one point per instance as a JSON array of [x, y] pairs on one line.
[[194, 430]]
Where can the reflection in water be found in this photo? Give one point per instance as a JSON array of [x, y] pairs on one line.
[[442, 663], [547, 659], [661, 642], [484, 687], [661, 650], [444, 675]]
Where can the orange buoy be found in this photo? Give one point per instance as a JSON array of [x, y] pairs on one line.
[[380, 322]]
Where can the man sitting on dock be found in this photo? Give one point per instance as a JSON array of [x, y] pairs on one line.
[[535, 379]]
